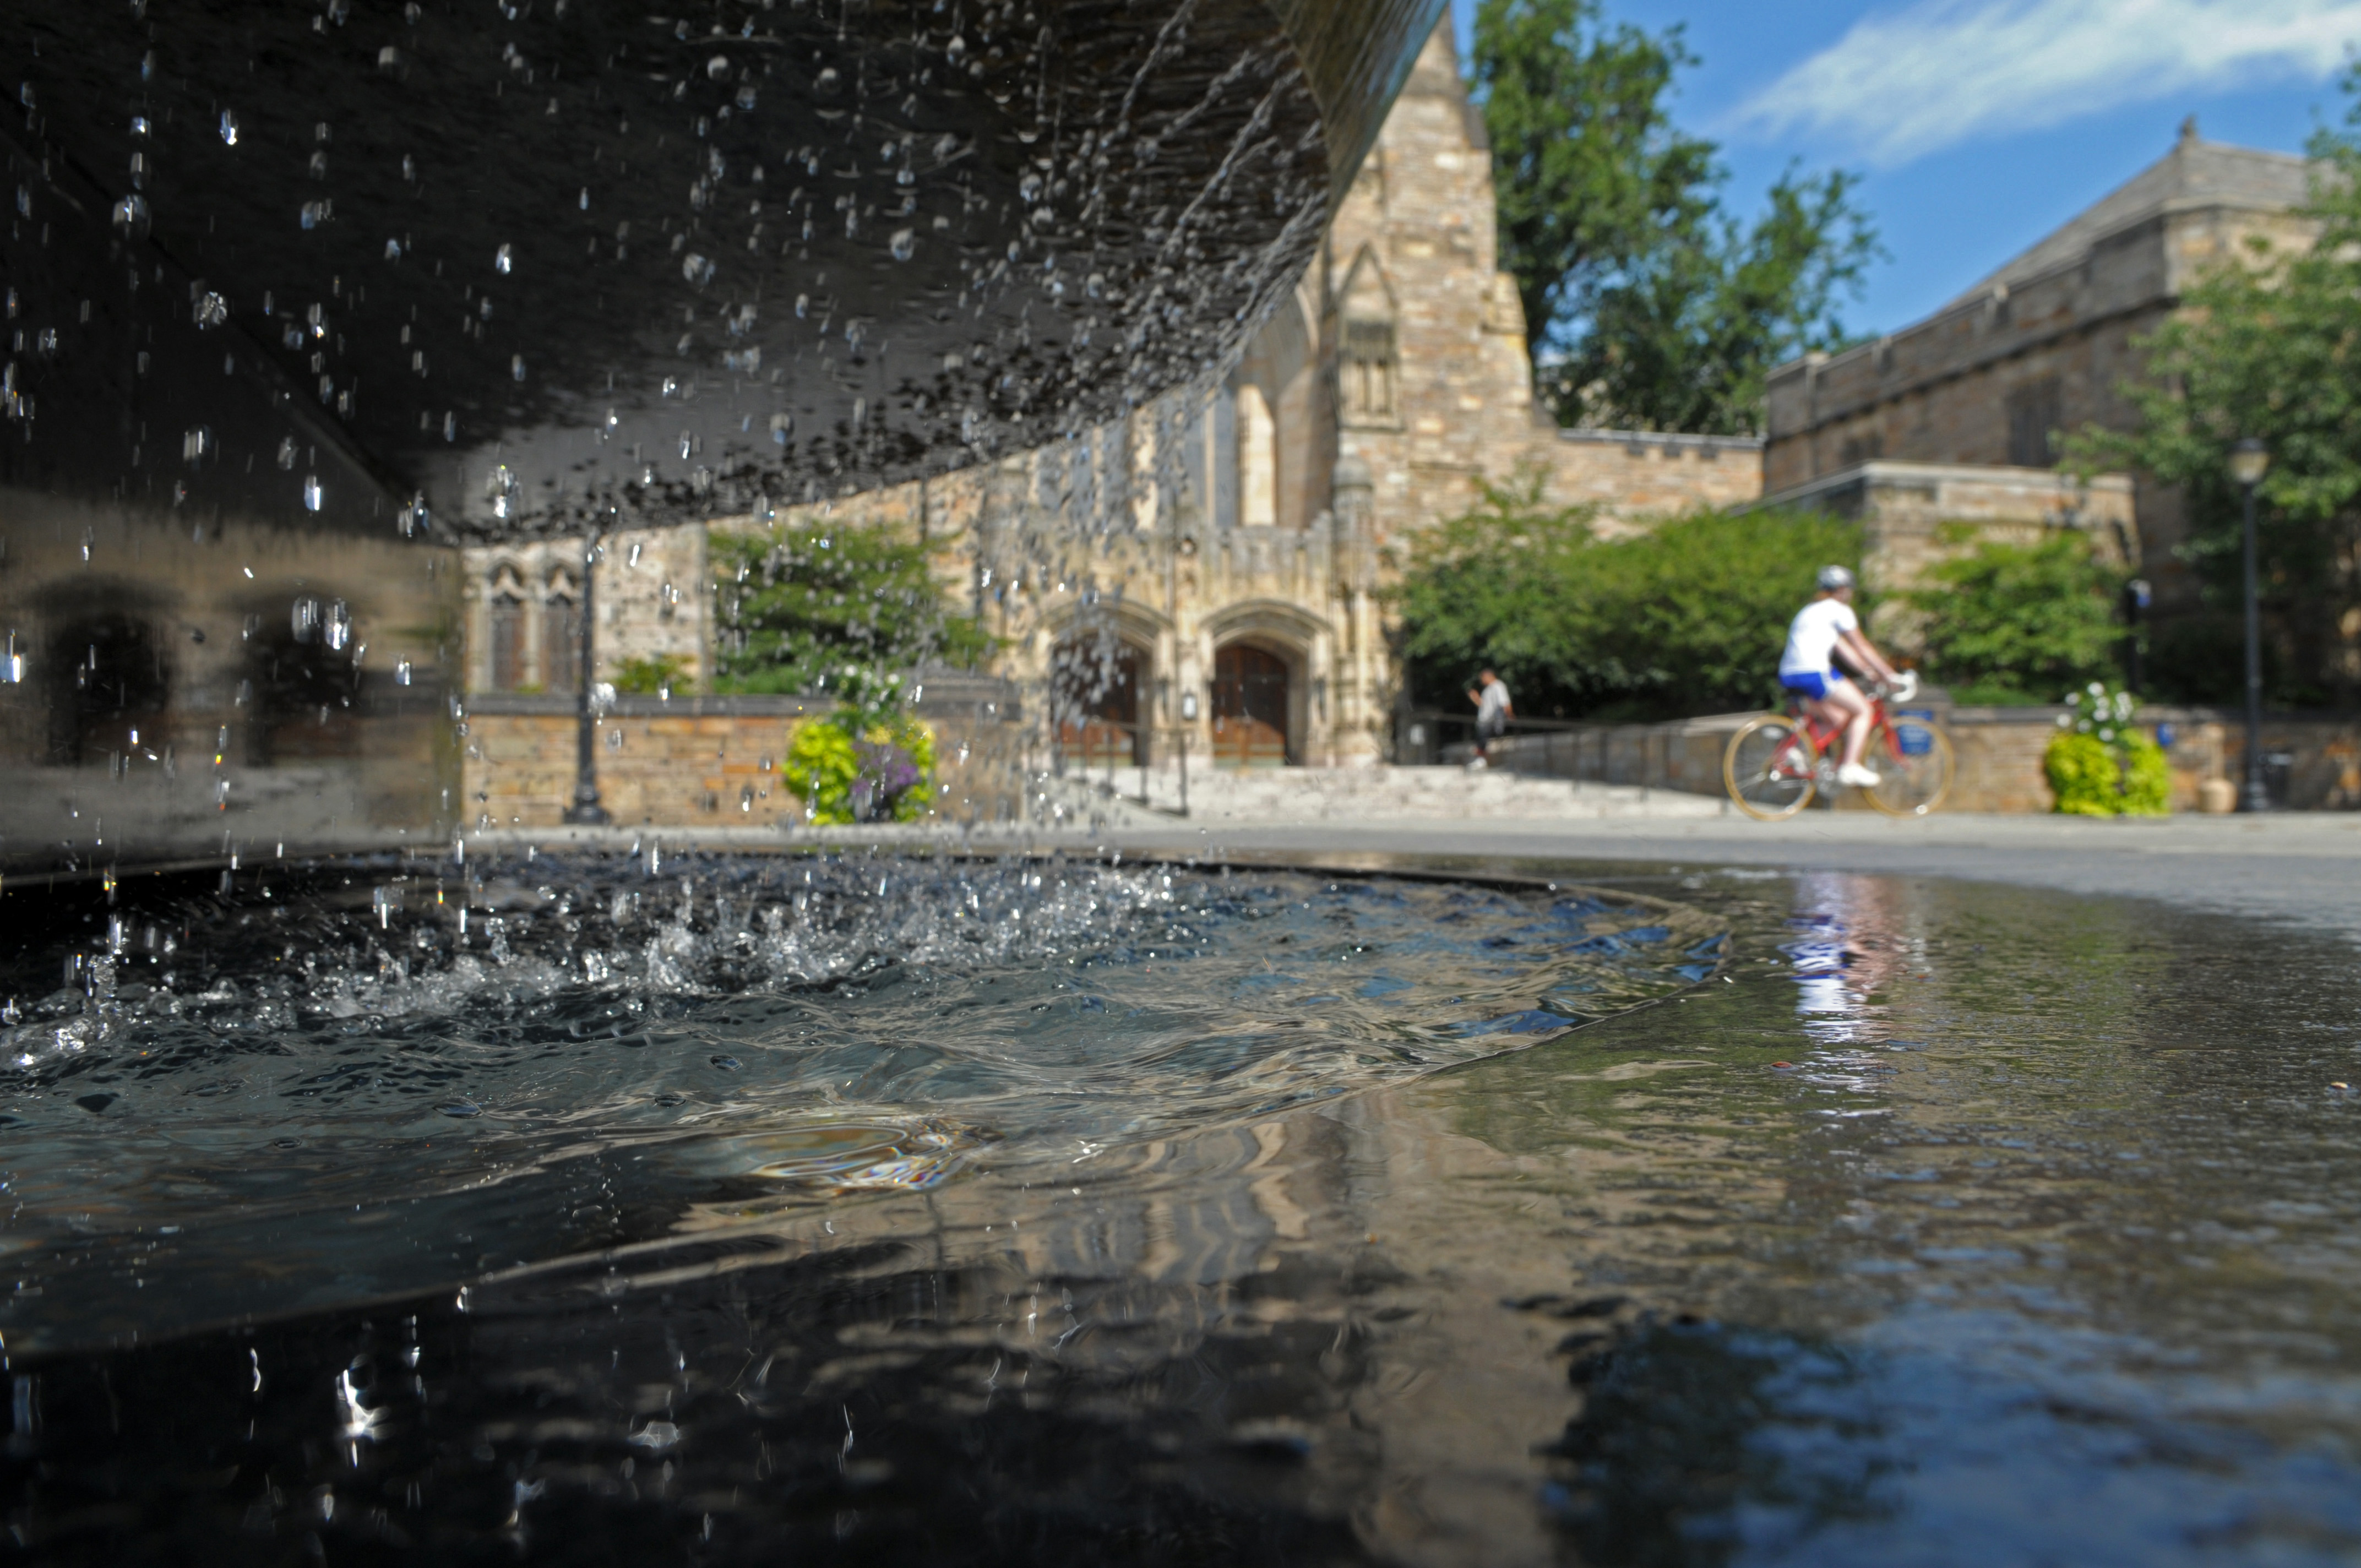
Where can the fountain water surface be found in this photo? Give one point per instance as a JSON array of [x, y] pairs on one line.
[[348, 1081]]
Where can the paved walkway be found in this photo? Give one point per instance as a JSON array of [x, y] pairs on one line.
[[2301, 868], [2304, 868]]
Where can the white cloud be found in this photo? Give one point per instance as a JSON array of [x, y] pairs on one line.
[[1905, 84]]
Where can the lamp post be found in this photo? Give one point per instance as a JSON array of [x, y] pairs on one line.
[[586, 811], [1188, 726], [2249, 460]]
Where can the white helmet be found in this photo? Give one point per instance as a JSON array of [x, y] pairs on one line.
[[1833, 578]]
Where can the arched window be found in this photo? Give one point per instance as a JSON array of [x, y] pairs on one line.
[[505, 626], [1257, 459], [1368, 355], [561, 634]]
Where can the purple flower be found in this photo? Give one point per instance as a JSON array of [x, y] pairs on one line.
[[886, 775]]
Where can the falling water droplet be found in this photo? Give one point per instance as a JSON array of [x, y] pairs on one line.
[[586, 198], [210, 310], [229, 128], [393, 250], [503, 261], [718, 67], [697, 269], [827, 82], [197, 444], [148, 66], [905, 244], [450, 427], [310, 492], [287, 454], [516, 365], [132, 218]]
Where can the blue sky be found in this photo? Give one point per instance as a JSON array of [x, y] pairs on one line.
[[1981, 124]]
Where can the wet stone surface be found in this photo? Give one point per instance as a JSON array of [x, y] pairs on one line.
[[1928, 1222]]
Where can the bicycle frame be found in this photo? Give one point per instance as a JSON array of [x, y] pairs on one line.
[[1824, 734]]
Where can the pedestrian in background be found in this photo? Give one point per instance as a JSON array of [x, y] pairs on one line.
[[1493, 711]]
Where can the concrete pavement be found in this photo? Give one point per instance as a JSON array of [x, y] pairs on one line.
[[2300, 868]]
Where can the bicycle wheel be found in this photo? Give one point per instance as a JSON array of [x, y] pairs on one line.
[[1770, 767], [1915, 767]]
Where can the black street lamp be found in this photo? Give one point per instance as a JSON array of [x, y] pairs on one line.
[[586, 811], [2249, 461]]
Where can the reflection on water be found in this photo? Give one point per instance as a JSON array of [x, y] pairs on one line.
[[2040, 1248]]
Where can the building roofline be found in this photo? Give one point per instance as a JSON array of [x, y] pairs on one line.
[[1659, 438], [1994, 287], [1900, 471]]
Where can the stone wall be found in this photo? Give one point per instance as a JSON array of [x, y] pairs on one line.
[[712, 762], [1905, 510], [1999, 751]]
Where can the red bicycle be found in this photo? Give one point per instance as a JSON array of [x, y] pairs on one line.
[[1774, 764]]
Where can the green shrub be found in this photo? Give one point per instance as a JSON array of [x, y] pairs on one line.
[[652, 673], [2147, 778], [796, 609], [884, 773], [2100, 765], [1688, 617], [2083, 775], [2004, 622]]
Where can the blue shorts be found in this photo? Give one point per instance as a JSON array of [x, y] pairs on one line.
[[1813, 684]]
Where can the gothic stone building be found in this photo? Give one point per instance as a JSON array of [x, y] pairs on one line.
[[1956, 417]]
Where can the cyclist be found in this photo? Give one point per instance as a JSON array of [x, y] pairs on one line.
[[1822, 631]]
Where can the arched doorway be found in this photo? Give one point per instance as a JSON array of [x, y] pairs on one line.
[[1096, 702], [1250, 708]]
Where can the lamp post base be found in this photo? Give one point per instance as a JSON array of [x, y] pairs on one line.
[[2254, 796], [586, 814]]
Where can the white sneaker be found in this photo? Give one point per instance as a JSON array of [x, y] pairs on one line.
[[1853, 773]]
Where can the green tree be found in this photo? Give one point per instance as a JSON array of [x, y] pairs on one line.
[[1684, 337], [1687, 618], [2267, 345], [1646, 305], [2018, 623], [845, 610]]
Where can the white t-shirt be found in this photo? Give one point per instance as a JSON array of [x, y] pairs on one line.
[[1492, 703], [1812, 635]]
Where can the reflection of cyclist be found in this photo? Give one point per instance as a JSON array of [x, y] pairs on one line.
[[1820, 630]]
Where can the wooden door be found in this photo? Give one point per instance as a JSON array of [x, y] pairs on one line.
[[1097, 704], [1249, 708]]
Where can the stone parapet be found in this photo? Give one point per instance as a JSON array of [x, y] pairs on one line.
[[711, 760], [1904, 507]]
